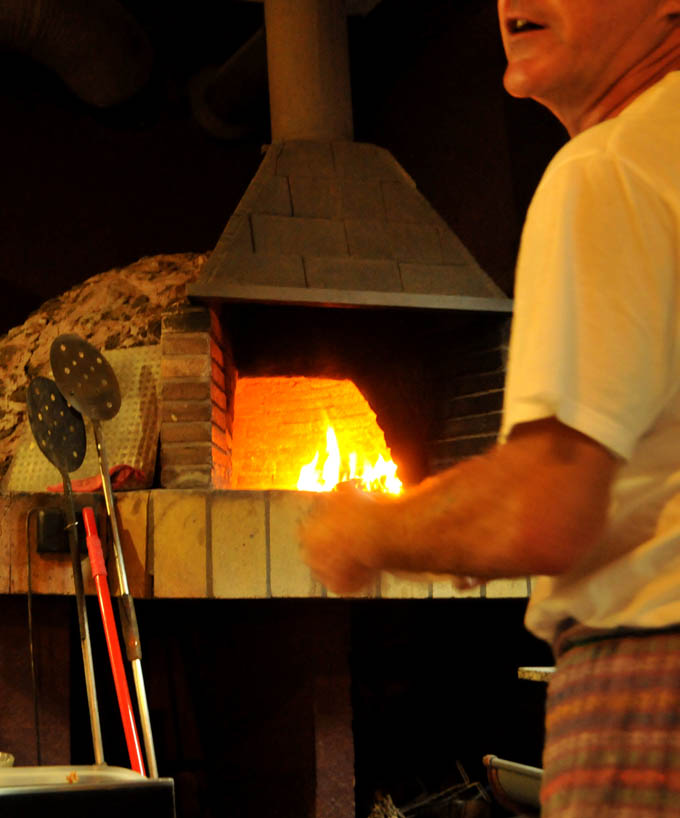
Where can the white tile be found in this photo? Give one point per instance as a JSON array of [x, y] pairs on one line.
[[289, 575], [502, 588], [394, 587], [239, 546]]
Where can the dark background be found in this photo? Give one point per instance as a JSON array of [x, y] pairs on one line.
[[85, 189], [230, 686]]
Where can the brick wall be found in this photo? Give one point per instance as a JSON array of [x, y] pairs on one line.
[[197, 407], [467, 383], [461, 389], [280, 424]]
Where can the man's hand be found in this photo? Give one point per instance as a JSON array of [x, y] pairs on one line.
[[335, 541]]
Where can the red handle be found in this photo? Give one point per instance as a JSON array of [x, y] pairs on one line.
[[94, 544], [98, 565]]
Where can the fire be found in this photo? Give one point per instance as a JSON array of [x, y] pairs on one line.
[[280, 422], [380, 476]]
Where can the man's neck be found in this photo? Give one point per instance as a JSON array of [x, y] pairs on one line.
[[623, 94], [614, 99]]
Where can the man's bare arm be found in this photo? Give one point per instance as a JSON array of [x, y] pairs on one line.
[[531, 506]]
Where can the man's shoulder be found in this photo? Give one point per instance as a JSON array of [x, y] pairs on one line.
[[643, 137]]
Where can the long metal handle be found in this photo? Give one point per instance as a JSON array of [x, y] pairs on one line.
[[98, 566], [126, 607], [85, 643]]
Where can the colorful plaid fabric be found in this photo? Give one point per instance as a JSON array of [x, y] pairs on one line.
[[613, 730]]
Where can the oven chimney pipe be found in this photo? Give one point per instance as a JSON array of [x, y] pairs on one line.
[[308, 66]]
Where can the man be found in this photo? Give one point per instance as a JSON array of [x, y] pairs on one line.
[[584, 488]]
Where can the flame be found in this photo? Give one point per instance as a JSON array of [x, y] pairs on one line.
[[380, 476], [281, 421]]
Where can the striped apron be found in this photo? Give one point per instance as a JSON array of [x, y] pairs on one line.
[[612, 744]]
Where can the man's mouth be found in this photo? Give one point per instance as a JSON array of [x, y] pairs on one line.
[[519, 25]]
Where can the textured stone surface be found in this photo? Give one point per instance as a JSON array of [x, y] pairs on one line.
[[402, 241], [433, 278], [301, 158], [197, 401], [303, 236], [185, 343], [116, 309], [176, 411], [273, 197], [187, 477], [186, 432], [290, 577], [201, 543], [185, 366], [239, 545], [50, 573], [505, 588], [186, 389], [395, 587], [313, 202], [5, 542], [444, 589], [183, 317], [179, 543], [314, 198], [132, 509], [180, 454], [353, 274]]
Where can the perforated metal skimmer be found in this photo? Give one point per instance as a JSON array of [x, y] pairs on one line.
[[59, 431], [85, 377], [57, 427]]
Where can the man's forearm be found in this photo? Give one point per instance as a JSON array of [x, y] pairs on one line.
[[531, 506]]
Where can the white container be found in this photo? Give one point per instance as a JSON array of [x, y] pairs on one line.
[[67, 776]]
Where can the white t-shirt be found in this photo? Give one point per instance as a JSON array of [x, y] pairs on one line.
[[596, 343]]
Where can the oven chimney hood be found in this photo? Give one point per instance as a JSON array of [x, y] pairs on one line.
[[328, 221]]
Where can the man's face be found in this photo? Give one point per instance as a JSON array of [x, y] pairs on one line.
[[566, 52]]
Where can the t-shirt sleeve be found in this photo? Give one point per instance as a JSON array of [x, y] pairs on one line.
[[593, 336]]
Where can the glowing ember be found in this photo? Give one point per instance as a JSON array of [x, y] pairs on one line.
[[380, 476]]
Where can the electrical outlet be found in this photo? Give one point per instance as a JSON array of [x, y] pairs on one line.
[[51, 533]]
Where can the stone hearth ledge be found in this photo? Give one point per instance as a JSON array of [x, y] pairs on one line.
[[187, 543]]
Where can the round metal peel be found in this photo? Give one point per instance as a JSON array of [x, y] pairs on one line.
[[85, 377], [59, 431], [88, 381], [58, 428]]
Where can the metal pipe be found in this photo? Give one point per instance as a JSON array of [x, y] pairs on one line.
[[308, 66], [85, 642]]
